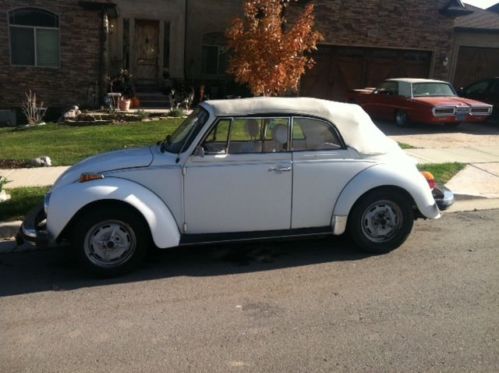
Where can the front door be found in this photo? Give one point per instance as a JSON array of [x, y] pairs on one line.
[[242, 183], [146, 50]]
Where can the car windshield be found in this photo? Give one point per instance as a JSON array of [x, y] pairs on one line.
[[432, 90], [185, 133]]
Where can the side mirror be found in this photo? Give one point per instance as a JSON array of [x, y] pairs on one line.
[[199, 151], [460, 91]]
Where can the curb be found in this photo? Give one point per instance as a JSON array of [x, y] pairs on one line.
[[9, 229], [463, 204]]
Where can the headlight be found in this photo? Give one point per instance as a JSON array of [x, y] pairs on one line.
[[46, 201]]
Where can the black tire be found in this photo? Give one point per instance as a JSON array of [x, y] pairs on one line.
[[108, 231], [453, 124], [381, 220], [401, 118]]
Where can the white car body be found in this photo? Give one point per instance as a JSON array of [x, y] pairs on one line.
[[190, 194]]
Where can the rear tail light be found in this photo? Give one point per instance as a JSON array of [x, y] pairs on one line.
[[430, 179]]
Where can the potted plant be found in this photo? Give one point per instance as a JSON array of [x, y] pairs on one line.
[[123, 83], [3, 194]]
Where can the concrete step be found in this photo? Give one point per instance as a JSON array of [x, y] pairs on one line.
[[164, 104]]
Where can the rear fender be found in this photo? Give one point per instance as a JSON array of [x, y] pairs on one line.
[[67, 201], [404, 177]]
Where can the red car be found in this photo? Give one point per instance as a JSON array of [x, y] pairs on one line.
[[420, 101]]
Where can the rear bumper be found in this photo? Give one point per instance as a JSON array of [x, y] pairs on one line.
[[443, 197], [33, 228]]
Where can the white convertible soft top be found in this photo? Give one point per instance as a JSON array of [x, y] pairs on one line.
[[354, 124]]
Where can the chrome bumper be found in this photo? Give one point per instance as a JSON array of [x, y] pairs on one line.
[[33, 228], [443, 197]]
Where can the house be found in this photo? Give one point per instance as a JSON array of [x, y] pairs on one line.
[[476, 46], [52, 47], [67, 50], [369, 41]]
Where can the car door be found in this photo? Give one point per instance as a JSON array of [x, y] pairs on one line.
[[322, 167], [494, 97], [389, 101], [478, 91], [239, 179]]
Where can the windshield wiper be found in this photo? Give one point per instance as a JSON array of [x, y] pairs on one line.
[[165, 143]]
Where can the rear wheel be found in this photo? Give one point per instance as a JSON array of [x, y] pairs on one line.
[[110, 241], [381, 221], [401, 118]]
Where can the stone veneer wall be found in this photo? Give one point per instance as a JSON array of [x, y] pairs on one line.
[[78, 74]]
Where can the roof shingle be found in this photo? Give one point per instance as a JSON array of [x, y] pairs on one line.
[[480, 19]]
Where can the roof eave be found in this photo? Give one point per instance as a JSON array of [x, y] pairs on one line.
[[455, 8]]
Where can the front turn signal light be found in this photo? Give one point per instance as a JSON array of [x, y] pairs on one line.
[[430, 179], [89, 176]]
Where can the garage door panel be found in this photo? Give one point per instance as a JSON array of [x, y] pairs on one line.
[[475, 64], [340, 69]]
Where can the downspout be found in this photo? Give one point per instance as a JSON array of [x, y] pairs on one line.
[[185, 38], [103, 56]]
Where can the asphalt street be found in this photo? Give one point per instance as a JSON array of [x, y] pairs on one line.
[[294, 306]]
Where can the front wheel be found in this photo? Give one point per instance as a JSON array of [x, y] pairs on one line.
[[381, 221], [401, 118], [110, 241]]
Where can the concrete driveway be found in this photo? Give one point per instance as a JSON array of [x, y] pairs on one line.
[[442, 137], [477, 145]]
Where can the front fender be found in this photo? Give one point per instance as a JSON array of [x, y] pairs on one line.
[[407, 178], [67, 200]]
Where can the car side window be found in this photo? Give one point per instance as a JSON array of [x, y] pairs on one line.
[[477, 88], [314, 134], [258, 135], [388, 88], [217, 139], [494, 90]]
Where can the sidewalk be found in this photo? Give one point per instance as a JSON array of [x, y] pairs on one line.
[[32, 177], [480, 178], [469, 154]]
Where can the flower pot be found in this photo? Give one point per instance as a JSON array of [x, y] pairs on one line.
[[124, 104], [135, 103]]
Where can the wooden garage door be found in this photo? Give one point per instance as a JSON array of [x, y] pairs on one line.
[[475, 64], [339, 69]]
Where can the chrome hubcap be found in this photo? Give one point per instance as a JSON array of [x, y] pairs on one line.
[[110, 243], [381, 221]]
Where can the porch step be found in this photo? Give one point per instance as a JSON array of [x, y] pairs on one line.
[[153, 99], [146, 86]]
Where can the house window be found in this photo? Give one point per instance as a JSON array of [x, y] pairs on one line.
[[213, 60], [34, 37]]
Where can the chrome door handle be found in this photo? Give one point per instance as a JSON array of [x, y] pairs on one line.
[[280, 169]]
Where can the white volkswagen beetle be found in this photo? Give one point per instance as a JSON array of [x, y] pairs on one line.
[[236, 170]]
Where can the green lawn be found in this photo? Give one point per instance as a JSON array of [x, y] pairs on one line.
[[405, 146], [66, 145], [442, 172], [23, 200]]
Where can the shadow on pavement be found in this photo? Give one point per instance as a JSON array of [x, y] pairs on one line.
[[55, 270], [390, 129]]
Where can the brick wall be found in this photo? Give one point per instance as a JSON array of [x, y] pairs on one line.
[[78, 74], [401, 24]]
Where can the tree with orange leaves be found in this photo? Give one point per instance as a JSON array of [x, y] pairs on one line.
[[267, 54]]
